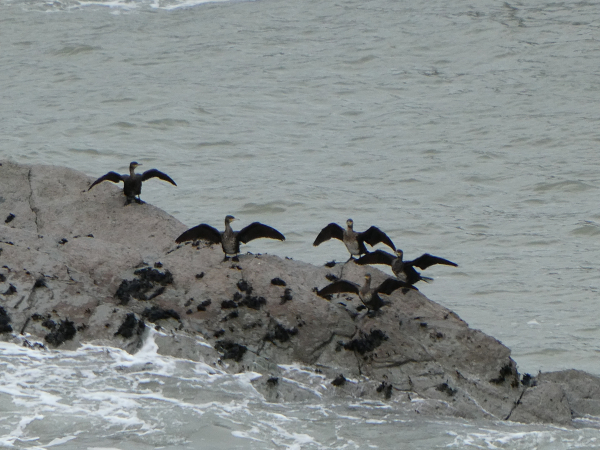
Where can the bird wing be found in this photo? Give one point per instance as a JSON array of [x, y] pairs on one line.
[[153, 173], [258, 230], [377, 257], [391, 284], [426, 260], [333, 230], [202, 231], [339, 286], [110, 176], [374, 236]]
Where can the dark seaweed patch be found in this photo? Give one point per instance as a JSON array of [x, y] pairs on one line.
[[49, 323], [231, 350], [228, 304], [273, 381], [9, 218], [340, 380], [154, 276], [280, 333], [386, 389], [443, 387], [278, 282], [5, 320], [202, 306], [64, 332], [287, 296], [130, 326], [507, 372], [244, 286], [330, 263], [155, 313], [253, 302], [133, 288], [367, 343]]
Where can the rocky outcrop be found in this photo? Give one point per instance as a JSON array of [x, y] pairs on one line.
[[79, 266]]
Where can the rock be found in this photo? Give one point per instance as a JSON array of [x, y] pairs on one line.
[[79, 266]]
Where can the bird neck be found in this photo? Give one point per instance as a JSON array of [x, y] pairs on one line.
[[131, 171]]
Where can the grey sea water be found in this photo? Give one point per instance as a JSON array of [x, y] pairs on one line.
[[466, 130]]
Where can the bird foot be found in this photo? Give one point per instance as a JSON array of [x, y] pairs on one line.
[[226, 258], [235, 259]]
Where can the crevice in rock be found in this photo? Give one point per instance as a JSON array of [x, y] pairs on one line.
[[33, 208], [517, 403]]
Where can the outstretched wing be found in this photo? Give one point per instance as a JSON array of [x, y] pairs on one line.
[[374, 236], [339, 286], [110, 176], [202, 231], [153, 173], [377, 257], [427, 260], [391, 284], [257, 230], [333, 230]]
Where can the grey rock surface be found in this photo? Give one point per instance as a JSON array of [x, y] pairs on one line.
[[78, 266]]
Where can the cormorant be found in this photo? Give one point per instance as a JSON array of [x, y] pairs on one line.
[[368, 295], [132, 183], [355, 242], [229, 239], [405, 270]]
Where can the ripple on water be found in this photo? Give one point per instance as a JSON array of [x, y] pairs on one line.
[[587, 229], [71, 50], [564, 186]]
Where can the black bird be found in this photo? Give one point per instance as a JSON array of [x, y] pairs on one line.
[[368, 295], [229, 239], [355, 242], [405, 270], [132, 183]]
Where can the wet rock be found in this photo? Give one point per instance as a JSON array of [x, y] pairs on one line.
[[64, 332], [10, 291], [417, 346]]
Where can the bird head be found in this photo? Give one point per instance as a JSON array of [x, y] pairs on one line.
[[368, 277], [134, 164], [229, 219], [399, 253], [350, 223]]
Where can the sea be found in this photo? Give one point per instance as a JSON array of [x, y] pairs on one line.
[[467, 130]]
